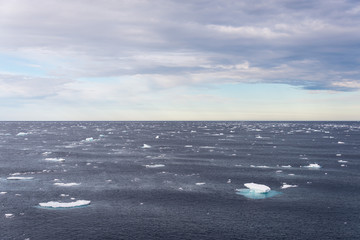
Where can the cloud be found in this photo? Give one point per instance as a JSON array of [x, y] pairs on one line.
[[167, 44], [18, 86]]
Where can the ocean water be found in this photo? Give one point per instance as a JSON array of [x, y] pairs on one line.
[[180, 180]]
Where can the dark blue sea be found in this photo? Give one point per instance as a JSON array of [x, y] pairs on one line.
[[179, 180]]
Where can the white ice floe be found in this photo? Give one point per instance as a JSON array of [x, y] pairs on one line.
[[20, 178], [261, 166], [53, 204], [338, 154], [284, 186], [258, 188], [342, 161], [46, 153], [200, 183], [9, 215], [157, 137], [313, 165], [286, 166], [279, 171], [55, 159], [146, 146], [15, 174], [154, 165], [228, 181], [90, 139], [2, 193], [67, 184], [188, 146], [341, 142], [22, 134]]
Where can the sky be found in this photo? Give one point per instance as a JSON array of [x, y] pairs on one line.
[[118, 60]]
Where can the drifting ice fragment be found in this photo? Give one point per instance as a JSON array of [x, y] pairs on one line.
[[20, 178], [258, 188], [90, 139], [22, 134], [287, 186], [313, 165], [342, 161], [66, 184], [55, 159], [146, 146], [9, 215], [200, 183], [154, 165], [341, 142], [53, 204], [286, 166]]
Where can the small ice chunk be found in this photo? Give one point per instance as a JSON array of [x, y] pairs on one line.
[[258, 188], [154, 165], [22, 134], [20, 178], [55, 159], [291, 174], [286, 166], [313, 165], [46, 153], [67, 184], [146, 146], [157, 137], [261, 166], [53, 204], [228, 181], [9, 215], [284, 186], [342, 161], [340, 142], [90, 139], [2, 193], [188, 146], [200, 183], [279, 171], [338, 154]]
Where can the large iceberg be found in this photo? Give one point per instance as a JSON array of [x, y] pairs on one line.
[[53, 204], [258, 188]]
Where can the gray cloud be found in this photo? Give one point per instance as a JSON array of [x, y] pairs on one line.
[[312, 44]]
